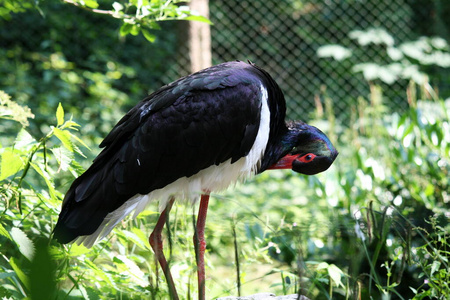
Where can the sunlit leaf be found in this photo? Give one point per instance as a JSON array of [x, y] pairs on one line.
[[149, 36], [335, 274], [47, 178], [23, 139], [63, 156], [136, 273], [90, 3], [435, 266], [26, 246], [125, 29], [10, 163], [60, 115], [135, 29], [77, 250], [198, 19], [64, 137]]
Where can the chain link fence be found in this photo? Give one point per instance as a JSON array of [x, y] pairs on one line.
[[284, 37]]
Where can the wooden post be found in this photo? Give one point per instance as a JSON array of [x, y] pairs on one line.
[[199, 37]]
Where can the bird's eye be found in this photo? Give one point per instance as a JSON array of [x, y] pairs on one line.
[[306, 158]]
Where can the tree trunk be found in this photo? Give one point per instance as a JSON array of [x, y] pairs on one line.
[[199, 37]]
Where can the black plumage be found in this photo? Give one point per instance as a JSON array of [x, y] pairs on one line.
[[194, 136], [197, 121]]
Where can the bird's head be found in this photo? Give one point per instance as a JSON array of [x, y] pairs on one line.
[[309, 151]]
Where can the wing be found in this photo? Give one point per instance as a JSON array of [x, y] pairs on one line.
[[198, 121]]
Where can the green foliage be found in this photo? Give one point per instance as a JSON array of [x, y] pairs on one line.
[[357, 230], [394, 63], [29, 199], [143, 16], [136, 16]]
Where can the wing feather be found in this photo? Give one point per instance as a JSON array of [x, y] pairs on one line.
[[196, 122]]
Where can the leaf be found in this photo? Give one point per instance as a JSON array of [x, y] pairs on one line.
[[78, 250], [199, 19], [22, 277], [90, 3], [60, 115], [137, 275], [10, 163], [335, 274], [71, 125], [435, 266], [135, 29], [26, 246], [136, 238], [100, 273], [149, 36], [125, 29], [4, 232], [63, 156], [47, 178], [64, 137], [23, 139]]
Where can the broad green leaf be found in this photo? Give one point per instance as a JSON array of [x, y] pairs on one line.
[[125, 29], [26, 246], [135, 29], [335, 274], [142, 236], [10, 163], [435, 266], [22, 277], [149, 36], [90, 3], [47, 178], [4, 232], [79, 141], [23, 139], [60, 115], [64, 137], [322, 265], [78, 250], [63, 156]]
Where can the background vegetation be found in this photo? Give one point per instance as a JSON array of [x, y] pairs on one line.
[[374, 226]]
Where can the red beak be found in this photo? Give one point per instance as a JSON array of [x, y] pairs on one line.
[[284, 163]]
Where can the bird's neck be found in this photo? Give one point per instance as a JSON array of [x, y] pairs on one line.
[[277, 148]]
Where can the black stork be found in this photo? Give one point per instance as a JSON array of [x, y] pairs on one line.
[[193, 136]]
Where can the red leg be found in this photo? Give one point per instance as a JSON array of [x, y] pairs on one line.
[[157, 246], [200, 244]]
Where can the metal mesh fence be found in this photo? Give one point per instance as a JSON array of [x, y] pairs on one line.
[[284, 36]]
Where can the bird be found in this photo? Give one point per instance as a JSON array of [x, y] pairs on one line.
[[194, 136]]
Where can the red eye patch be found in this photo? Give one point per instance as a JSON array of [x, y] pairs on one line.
[[309, 157]]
